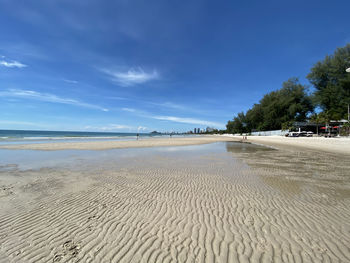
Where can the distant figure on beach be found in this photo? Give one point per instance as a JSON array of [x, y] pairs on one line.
[[137, 136]]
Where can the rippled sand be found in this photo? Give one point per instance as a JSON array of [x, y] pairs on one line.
[[224, 202]]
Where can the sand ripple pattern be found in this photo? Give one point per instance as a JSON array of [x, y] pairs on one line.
[[208, 208]]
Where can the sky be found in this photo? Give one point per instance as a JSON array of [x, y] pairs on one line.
[[139, 66]]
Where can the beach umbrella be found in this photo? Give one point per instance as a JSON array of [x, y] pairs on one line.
[[323, 128]]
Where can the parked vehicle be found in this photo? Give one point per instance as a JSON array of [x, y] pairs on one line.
[[303, 134], [310, 134], [293, 134], [300, 134]]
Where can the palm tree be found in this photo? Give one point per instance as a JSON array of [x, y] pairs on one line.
[[319, 119]]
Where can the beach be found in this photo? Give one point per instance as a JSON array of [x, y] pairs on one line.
[[331, 145], [200, 199], [155, 132], [119, 144]]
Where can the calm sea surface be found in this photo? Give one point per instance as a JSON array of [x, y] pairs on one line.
[[27, 136]]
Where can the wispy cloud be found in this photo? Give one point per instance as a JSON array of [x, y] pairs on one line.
[[120, 127], [171, 105], [132, 76], [141, 128], [129, 109], [47, 97], [26, 123], [168, 105], [110, 127], [116, 98], [70, 81], [11, 64], [193, 121], [116, 127], [188, 120]]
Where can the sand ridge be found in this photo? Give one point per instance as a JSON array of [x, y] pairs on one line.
[[110, 144]]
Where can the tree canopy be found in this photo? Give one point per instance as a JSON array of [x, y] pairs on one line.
[[290, 103], [332, 83], [279, 109]]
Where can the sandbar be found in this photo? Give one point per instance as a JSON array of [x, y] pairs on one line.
[[118, 144]]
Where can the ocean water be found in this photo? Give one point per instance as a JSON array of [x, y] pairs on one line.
[[28, 136]]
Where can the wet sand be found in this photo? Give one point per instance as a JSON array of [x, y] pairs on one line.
[[221, 202], [118, 144], [320, 144]]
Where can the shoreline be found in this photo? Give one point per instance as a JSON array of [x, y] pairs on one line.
[[328, 145], [106, 145]]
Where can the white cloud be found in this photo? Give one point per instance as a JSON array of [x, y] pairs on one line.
[[132, 76], [120, 127], [141, 128], [129, 109], [187, 120], [70, 81], [116, 98], [11, 64], [174, 118], [171, 105], [174, 107], [110, 127], [19, 123], [47, 97]]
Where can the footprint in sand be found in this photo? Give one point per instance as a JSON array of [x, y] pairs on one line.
[[6, 190], [249, 220], [93, 222], [69, 249]]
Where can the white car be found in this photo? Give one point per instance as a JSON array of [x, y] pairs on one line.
[[292, 134], [309, 134]]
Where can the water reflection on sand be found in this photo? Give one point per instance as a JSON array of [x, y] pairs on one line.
[[294, 172]]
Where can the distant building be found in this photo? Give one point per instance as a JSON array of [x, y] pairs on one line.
[[209, 129], [197, 130]]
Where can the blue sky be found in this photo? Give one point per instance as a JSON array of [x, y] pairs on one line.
[[126, 66]]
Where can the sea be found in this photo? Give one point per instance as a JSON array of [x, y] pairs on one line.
[[30, 136]]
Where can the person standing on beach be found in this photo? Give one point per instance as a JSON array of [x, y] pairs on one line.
[[137, 136]]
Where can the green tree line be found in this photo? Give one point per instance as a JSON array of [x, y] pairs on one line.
[[279, 109]]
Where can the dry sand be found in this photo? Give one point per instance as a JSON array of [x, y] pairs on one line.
[[104, 145], [333, 145], [208, 203]]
